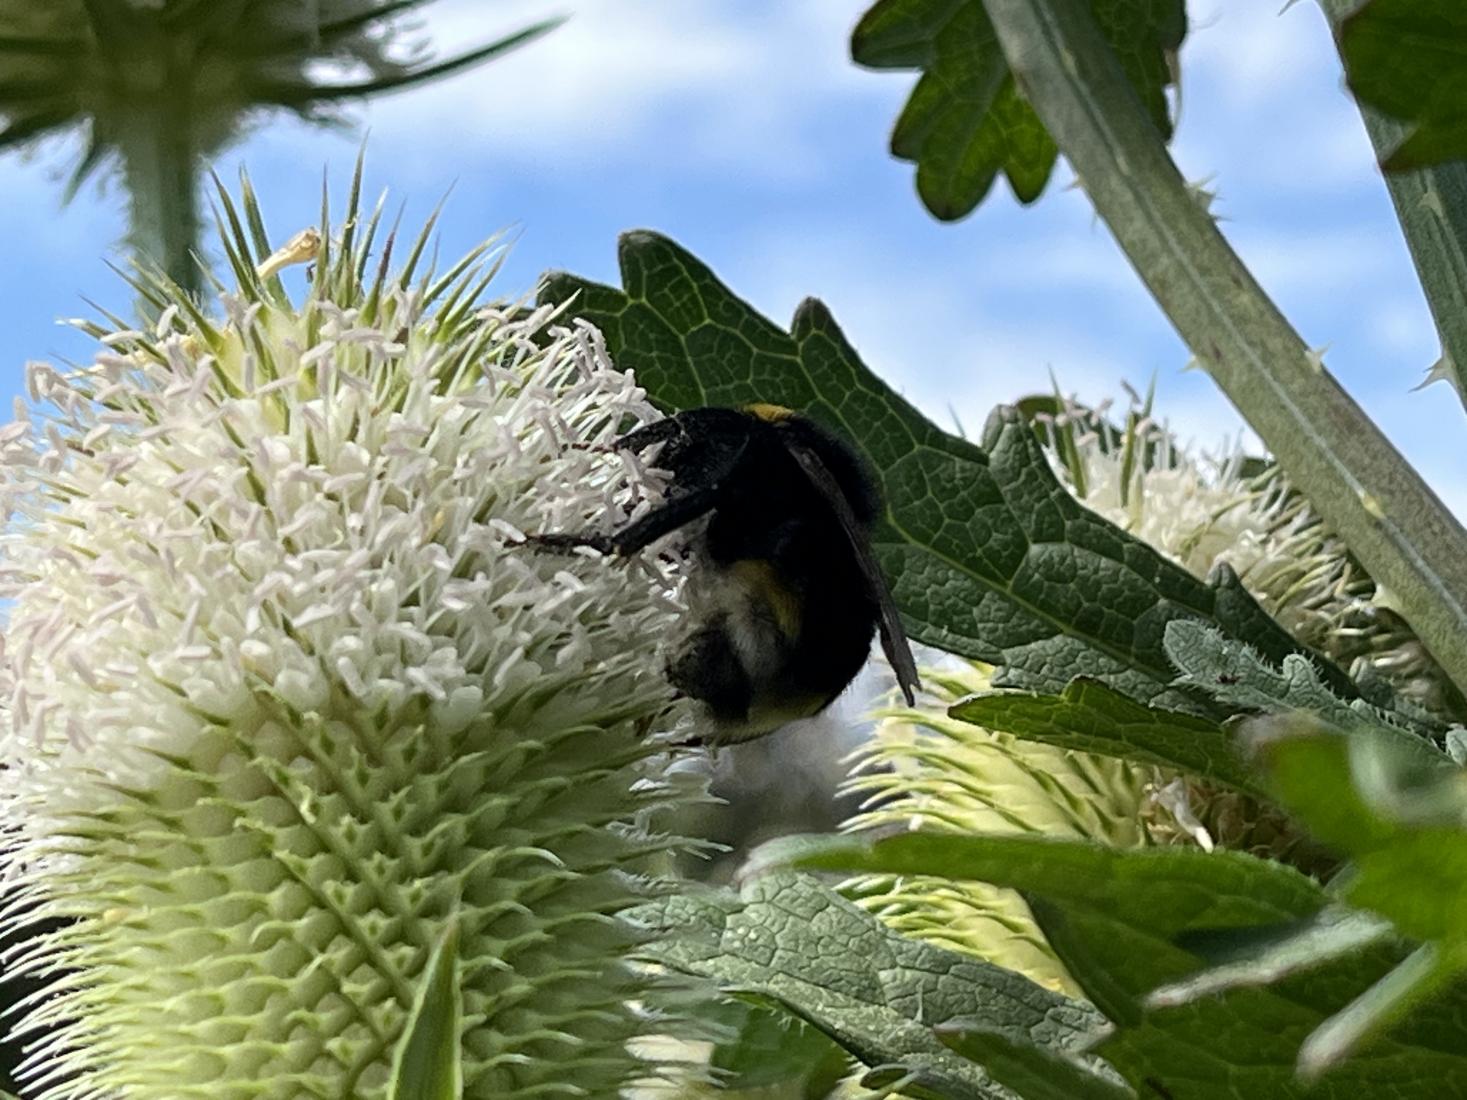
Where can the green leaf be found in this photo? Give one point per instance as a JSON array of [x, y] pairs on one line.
[[1408, 58], [1270, 954], [428, 1062], [1234, 675], [878, 995], [1146, 897], [1237, 677], [1402, 819], [1388, 1001], [989, 556], [966, 119], [1090, 717], [771, 1049], [1032, 1072], [1125, 922]]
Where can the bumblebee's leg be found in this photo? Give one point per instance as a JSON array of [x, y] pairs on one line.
[[709, 670], [569, 541], [648, 434], [675, 512]]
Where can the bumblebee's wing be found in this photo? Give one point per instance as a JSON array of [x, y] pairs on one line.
[[893, 638]]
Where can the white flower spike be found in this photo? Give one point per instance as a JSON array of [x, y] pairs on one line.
[[282, 698]]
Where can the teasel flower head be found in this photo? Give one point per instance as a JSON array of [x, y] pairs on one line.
[[306, 760]]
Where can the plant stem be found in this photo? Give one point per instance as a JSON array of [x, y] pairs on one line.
[[1331, 451], [161, 167], [1431, 204]]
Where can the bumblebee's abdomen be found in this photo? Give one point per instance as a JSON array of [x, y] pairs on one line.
[[835, 638], [824, 619], [762, 583], [785, 614]]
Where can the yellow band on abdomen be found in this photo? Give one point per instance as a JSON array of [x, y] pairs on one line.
[[764, 584]]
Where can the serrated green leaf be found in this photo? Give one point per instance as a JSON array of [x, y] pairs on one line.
[[1090, 717], [1231, 672], [1323, 442], [1031, 1071], [989, 556], [967, 120], [791, 940], [428, 1063], [1408, 58], [1122, 921]]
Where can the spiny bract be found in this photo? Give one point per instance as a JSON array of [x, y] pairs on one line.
[[284, 699]]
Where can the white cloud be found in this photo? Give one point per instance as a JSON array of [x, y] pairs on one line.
[[711, 84], [1263, 101], [1401, 327], [1291, 260], [1250, 53]]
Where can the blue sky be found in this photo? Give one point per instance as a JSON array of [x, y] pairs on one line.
[[740, 128]]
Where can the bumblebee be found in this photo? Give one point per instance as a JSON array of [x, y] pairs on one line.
[[785, 593]]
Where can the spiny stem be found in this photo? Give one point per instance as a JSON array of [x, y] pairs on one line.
[[1431, 204]]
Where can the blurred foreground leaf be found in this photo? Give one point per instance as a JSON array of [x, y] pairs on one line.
[[1402, 820], [1408, 58], [1127, 922]]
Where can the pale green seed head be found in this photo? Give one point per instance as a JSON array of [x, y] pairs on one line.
[[924, 770], [283, 697]]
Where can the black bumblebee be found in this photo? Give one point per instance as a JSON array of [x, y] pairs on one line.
[[785, 592]]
